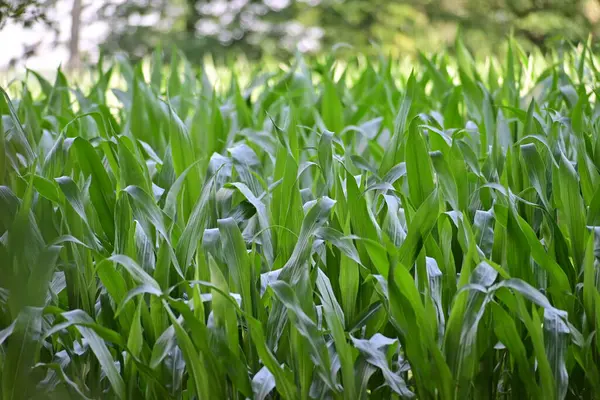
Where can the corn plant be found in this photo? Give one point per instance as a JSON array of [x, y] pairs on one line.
[[329, 229]]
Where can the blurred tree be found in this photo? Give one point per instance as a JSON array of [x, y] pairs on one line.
[[221, 27], [76, 10], [192, 16], [537, 21], [278, 27], [26, 12], [408, 25]]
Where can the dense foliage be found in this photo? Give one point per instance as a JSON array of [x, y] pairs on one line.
[[276, 27], [329, 229], [259, 28]]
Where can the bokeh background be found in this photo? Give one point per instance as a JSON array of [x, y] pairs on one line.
[[42, 34]]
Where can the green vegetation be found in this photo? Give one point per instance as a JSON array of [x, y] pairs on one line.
[[258, 28], [334, 229], [276, 28]]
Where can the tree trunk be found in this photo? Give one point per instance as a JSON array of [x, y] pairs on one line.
[[192, 16], [75, 29]]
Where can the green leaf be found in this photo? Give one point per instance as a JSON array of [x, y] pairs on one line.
[[88, 330], [572, 208], [374, 352], [392, 155], [418, 167], [308, 329], [101, 189]]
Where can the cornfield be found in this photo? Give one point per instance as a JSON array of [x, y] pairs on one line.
[[327, 229]]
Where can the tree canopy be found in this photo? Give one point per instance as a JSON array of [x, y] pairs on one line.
[[279, 27]]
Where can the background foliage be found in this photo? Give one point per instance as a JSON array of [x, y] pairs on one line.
[[257, 28]]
